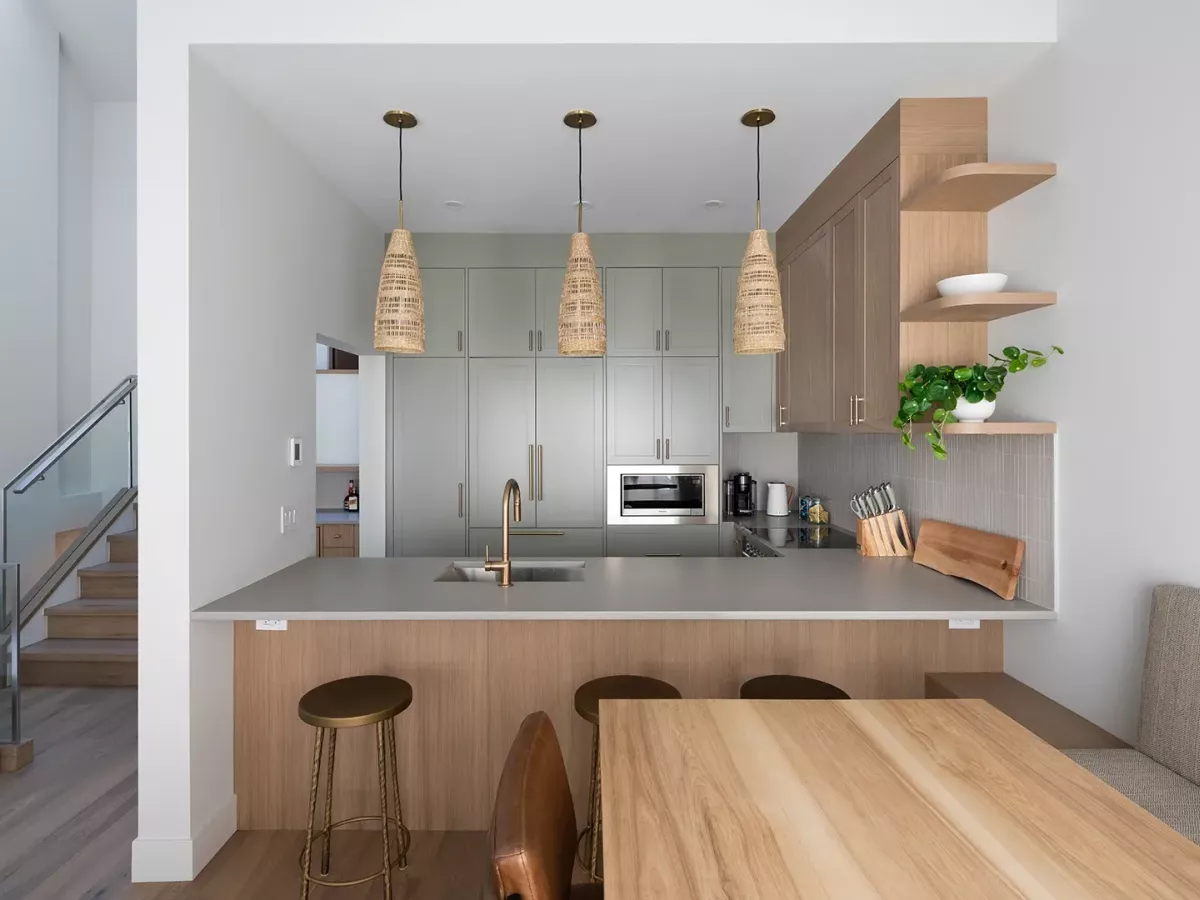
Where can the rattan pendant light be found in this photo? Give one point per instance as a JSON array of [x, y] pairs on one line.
[[758, 312], [581, 327], [400, 306]]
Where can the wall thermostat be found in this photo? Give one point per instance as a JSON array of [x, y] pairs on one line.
[[295, 452]]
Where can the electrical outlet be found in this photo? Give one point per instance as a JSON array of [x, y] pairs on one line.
[[287, 519], [964, 624], [270, 624]]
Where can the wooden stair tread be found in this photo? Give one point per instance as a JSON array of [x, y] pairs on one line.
[[130, 535], [83, 650], [95, 606], [111, 569]]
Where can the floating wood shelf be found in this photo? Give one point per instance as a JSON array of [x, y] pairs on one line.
[[978, 187], [993, 428], [337, 468], [977, 307]]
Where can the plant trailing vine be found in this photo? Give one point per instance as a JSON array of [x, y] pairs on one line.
[[939, 388]]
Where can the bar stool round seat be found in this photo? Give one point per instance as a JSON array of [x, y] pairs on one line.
[[357, 701], [619, 687], [362, 700], [790, 687]]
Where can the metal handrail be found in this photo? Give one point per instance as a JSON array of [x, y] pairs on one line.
[[48, 458]]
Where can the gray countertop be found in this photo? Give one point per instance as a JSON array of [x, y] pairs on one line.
[[819, 584], [336, 517]]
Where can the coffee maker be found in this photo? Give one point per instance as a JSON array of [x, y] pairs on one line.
[[744, 490]]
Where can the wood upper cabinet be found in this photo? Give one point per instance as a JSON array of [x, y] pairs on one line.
[[501, 311], [783, 361], [879, 208], [810, 335], [691, 315], [445, 312], [848, 336], [634, 310]]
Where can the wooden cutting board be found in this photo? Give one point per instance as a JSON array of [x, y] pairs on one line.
[[991, 560]]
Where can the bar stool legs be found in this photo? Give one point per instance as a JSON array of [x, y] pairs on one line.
[[590, 837], [381, 755], [328, 802]]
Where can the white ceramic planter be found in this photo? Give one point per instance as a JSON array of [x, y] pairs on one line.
[[974, 412]]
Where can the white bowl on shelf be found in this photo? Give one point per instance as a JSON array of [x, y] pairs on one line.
[[982, 283]]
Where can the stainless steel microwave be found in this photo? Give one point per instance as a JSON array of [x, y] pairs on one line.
[[664, 495]]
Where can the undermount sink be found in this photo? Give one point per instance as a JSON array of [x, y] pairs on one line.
[[523, 570]]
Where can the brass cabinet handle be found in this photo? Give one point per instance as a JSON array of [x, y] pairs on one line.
[[781, 422], [853, 411], [531, 467], [530, 340], [658, 448], [460, 340], [460, 499], [658, 340], [539, 340], [727, 417], [667, 340], [541, 474], [668, 448], [535, 532]]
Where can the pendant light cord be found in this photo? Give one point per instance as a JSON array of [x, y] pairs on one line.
[[579, 227], [757, 173], [400, 171]]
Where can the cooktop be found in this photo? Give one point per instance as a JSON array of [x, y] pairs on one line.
[[806, 537]]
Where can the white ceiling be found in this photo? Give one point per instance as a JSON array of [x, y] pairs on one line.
[[668, 138], [99, 37]]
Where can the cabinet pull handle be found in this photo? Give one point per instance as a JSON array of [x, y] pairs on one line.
[[530, 340], [667, 340], [727, 417], [781, 422], [460, 340], [658, 448], [853, 410], [657, 340], [460, 498], [535, 532], [541, 474], [668, 448], [862, 416], [531, 467]]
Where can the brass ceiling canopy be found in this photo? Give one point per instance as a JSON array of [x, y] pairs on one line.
[[580, 118], [756, 117], [400, 118]]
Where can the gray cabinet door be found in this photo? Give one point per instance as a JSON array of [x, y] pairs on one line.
[[690, 409], [501, 435], [633, 307], [429, 465], [563, 543], [634, 411], [445, 311], [570, 443], [691, 312], [501, 311], [664, 540], [747, 381]]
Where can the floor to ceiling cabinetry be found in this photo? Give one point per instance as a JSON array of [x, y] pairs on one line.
[[445, 311], [747, 380]]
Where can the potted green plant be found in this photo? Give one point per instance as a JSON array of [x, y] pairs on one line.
[[958, 393]]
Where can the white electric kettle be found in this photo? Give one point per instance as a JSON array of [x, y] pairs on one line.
[[779, 498]]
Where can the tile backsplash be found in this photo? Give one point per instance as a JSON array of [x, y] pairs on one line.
[[1003, 484], [768, 457]]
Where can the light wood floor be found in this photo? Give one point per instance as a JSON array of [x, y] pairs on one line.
[[68, 819]]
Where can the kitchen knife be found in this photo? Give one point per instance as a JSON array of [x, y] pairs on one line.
[[871, 504], [891, 496], [880, 499]]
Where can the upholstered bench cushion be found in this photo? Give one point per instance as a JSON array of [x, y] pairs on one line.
[[1153, 787]]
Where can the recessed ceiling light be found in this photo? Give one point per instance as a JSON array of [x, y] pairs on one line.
[[713, 204], [454, 204]]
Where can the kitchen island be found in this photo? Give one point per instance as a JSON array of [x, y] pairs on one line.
[[480, 657]]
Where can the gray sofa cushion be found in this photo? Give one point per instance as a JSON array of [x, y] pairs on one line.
[[1153, 787], [1169, 730]]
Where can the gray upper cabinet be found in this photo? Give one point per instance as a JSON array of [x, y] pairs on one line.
[[501, 435], [501, 311], [691, 398], [445, 311], [635, 411], [429, 465], [634, 311], [549, 292], [570, 443], [691, 312], [747, 381]]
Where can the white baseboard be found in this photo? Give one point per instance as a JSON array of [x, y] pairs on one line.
[[182, 859]]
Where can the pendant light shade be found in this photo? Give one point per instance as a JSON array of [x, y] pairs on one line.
[[400, 304], [581, 326], [758, 311]]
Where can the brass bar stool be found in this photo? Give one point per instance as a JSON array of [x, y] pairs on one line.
[[790, 687], [352, 703], [587, 704]]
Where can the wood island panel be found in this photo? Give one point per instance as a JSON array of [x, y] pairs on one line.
[[474, 681]]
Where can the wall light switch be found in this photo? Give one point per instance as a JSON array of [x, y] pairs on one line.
[[964, 624], [295, 452], [270, 624]]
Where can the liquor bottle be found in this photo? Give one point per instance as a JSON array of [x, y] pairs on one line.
[[350, 504]]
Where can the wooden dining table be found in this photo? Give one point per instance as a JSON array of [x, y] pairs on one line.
[[849, 799]]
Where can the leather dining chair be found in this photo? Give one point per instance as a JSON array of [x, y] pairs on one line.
[[532, 838]]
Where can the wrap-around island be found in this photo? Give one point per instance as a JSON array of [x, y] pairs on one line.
[[480, 657]]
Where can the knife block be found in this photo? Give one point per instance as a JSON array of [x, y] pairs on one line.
[[885, 535]]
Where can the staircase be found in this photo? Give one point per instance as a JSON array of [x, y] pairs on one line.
[[92, 640]]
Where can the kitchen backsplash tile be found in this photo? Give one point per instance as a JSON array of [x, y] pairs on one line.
[[1002, 484], [768, 457]]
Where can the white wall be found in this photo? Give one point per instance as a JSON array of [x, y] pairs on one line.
[[1115, 234], [274, 257], [184, 782]]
